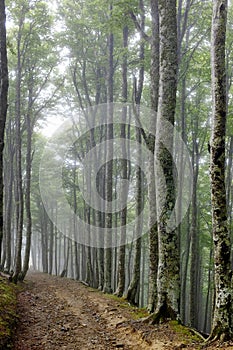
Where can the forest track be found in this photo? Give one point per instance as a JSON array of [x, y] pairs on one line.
[[59, 313]]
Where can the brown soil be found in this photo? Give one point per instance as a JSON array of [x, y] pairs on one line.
[[58, 313]]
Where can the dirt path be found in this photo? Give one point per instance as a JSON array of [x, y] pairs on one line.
[[58, 313]]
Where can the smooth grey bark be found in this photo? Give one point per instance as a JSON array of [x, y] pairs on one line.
[[144, 291], [76, 260], [208, 304], [133, 291], [183, 34], [184, 302], [222, 327], [194, 239], [124, 172], [44, 237], [18, 165], [29, 128], [89, 268], [51, 242], [109, 171], [4, 83], [134, 287], [9, 172], [100, 215]]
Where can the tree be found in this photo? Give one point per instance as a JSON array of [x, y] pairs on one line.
[[3, 103], [134, 287], [32, 66], [109, 168], [18, 148], [222, 327], [168, 265], [153, 235], [124, 171]]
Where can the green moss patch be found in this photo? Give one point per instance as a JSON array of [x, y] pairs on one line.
[[185, 334], [8, 316], [135, 312]]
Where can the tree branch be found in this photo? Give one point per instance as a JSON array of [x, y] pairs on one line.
[[139, 28]]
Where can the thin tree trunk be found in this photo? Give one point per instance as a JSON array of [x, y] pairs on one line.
[[28, 186], [208, 306], [51, 242], [44, 238], [3, 103], [9, 197], [134, 287], [194, 266], [184, 279], [18, 146], [124, 171], [109, 172], [153, 233], [143, 289]]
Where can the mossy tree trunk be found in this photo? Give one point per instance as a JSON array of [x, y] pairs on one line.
[[222, 319], [153, 234], [168, 281]]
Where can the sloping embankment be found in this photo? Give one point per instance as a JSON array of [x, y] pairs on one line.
[[8, 313]]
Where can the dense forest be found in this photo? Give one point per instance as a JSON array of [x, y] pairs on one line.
[[132, 193]]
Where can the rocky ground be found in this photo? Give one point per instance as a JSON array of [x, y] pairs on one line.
[[58, 313]]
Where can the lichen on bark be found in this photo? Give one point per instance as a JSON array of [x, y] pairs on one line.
[[168, 281]]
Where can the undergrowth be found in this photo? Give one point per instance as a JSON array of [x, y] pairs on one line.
[[185, 334], [8, 312]]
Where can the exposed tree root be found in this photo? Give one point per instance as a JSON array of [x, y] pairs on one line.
[[164, 314], [196, 333], [118, 293], [220, 335]]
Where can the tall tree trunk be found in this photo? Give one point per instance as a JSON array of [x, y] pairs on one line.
[[153, 233], [194, 266], [44, 238], [28, 185], [51, 241], [168, 281], [184, 284], [124, 172], [109, 171], [222, 327], [208, 305], [3, 103], [18, 146], [133, 291], [134, 287], [9, 172], [100, 220]]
